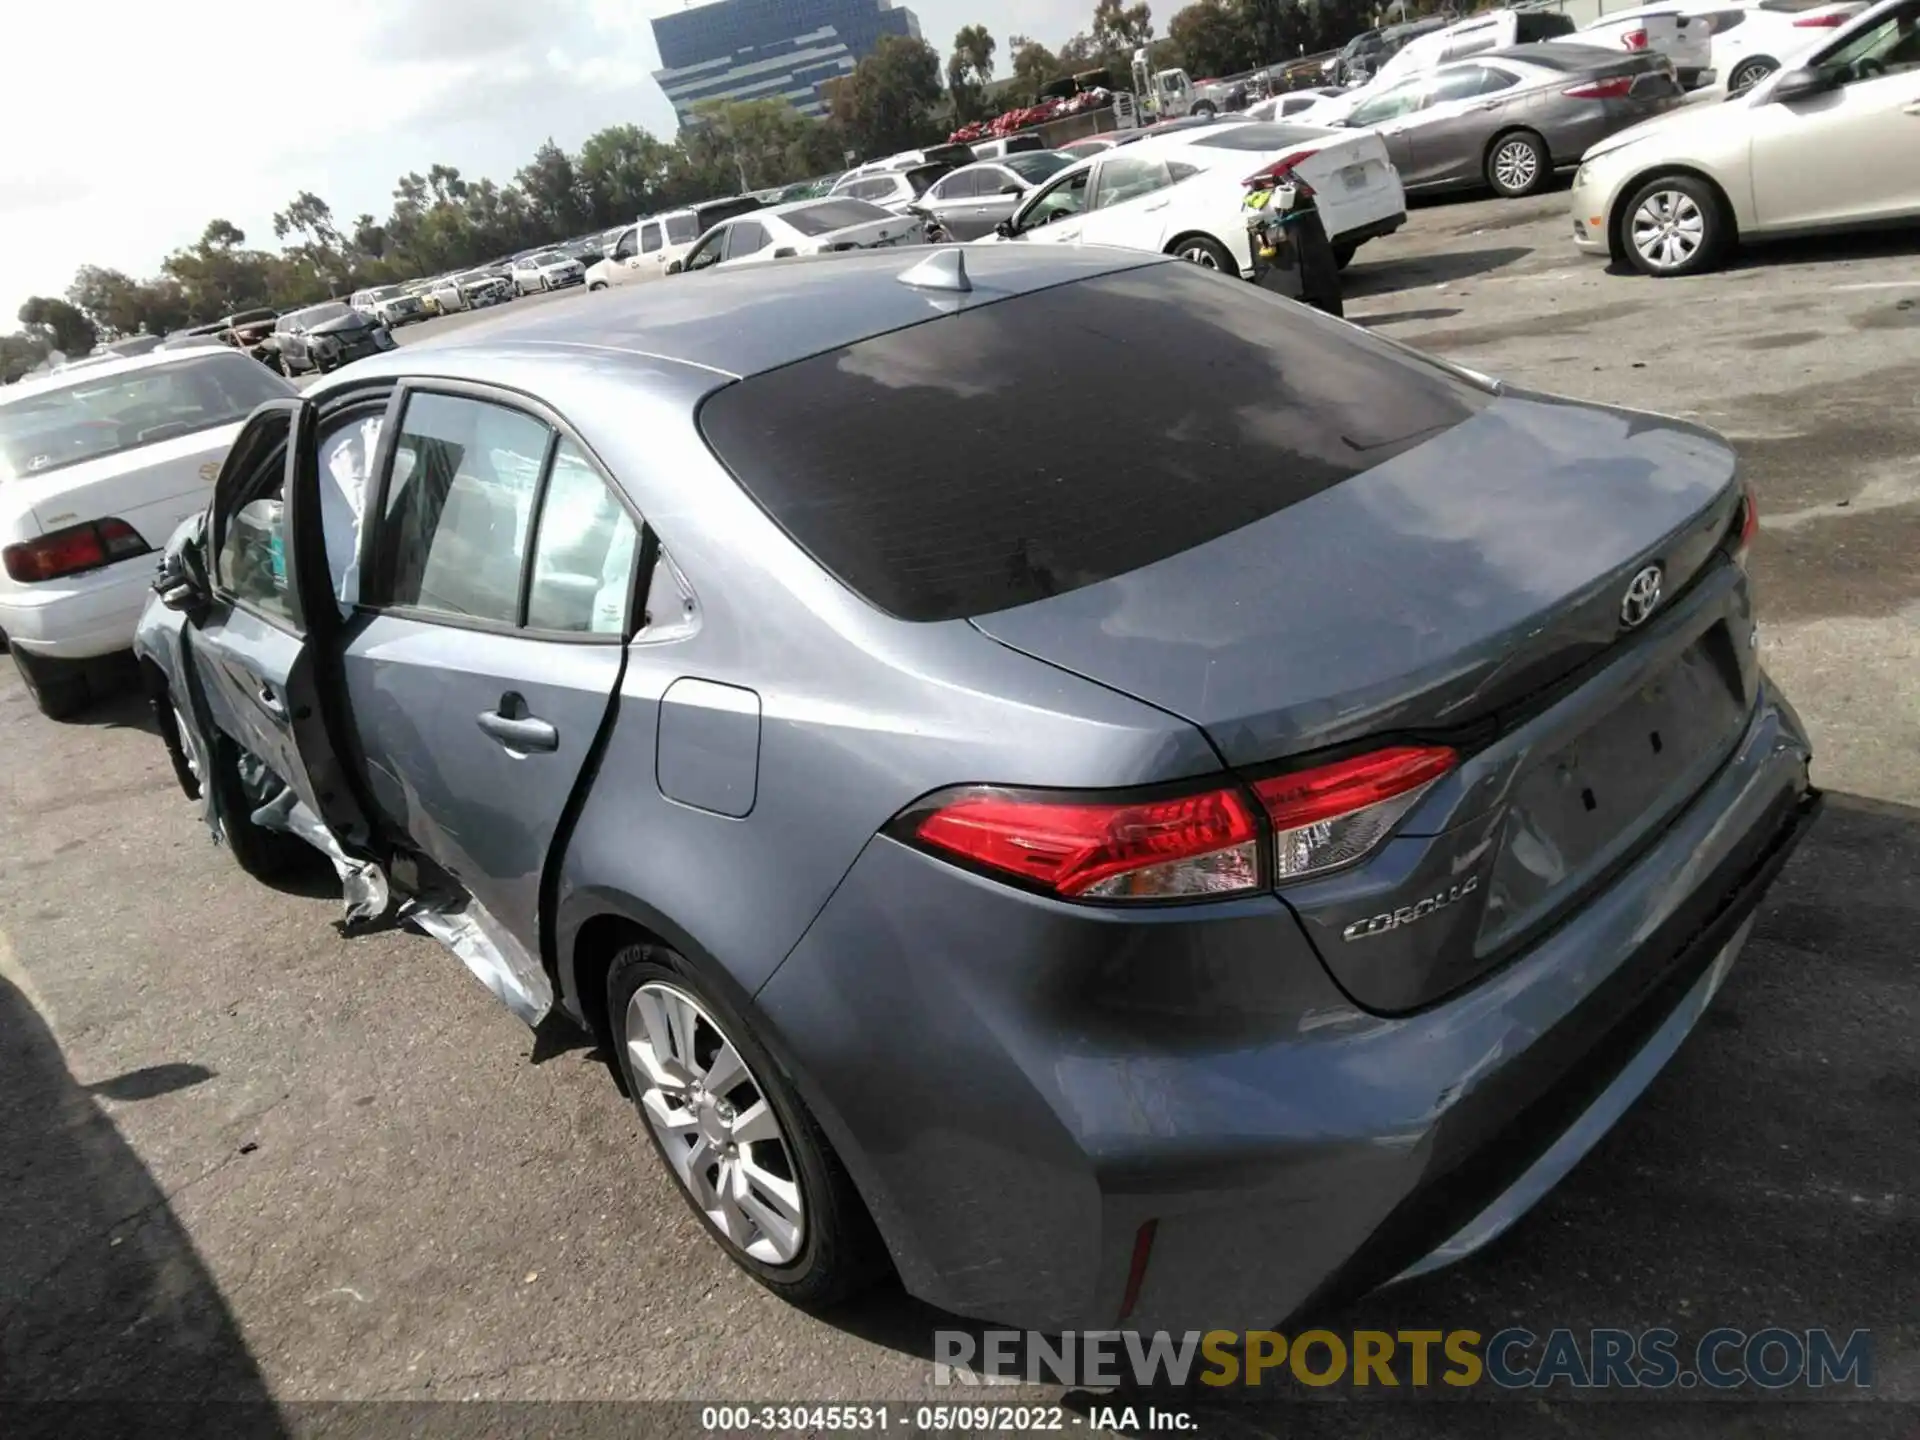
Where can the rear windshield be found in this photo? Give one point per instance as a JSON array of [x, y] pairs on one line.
[[1038, 165], [712, 214], [1528, 28], [49, 430], [834, 215], [923, 176], [1261, 135], [958, 467]]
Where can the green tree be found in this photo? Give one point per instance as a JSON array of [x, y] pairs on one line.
[[117, 304], [970, 71], [621, 170], [552, 187], [1208, 39], [60, 324], [20, 355], [892, 95], [1119, 30], [1033, 64]]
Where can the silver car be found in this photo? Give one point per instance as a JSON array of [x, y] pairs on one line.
[[972, 200], [1509, 119], [546, 270], [1233, 824]]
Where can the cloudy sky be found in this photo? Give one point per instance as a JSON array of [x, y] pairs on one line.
[[132, 123]]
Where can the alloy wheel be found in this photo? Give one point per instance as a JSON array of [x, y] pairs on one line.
[[1516, 166], [1668, 229], [715, 1124], [1201, 255], [1748, 76]]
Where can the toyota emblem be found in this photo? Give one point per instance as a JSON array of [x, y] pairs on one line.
[[1642, 597]]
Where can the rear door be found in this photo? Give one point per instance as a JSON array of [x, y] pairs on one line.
[[490, 641], [1462, 112], [261, 649]]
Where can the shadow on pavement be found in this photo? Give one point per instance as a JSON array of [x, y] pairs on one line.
[[103, 1299], [1763, 1180], [1366, 276]]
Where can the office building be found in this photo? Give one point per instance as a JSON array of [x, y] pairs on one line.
[[769, 49]]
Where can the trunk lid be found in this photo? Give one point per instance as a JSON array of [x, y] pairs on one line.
[[873, 235], [153, 488], [1426, 593], [1469, 592]]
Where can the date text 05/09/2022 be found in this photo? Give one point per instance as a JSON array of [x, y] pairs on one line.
[[935, 1419]]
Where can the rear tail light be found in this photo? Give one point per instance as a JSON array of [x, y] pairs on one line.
[[1332, 815], [1819, 22], [1746, 526], [1615, 87], [1157, 849], [1202, 843], [1634, 39], [73, 550], [1280, 172]]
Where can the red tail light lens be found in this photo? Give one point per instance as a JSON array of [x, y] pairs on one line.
[[1634, 39], [1181, 846], [1334, 814], [1280, 172], [1748, 523], [1616, 87], [1818, 22], [1159, 849], [71, 551]]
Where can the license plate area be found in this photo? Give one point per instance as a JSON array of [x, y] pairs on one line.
[[1595, 800], [1354, 177]]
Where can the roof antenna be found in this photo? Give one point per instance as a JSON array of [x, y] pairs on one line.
[[944, 269]]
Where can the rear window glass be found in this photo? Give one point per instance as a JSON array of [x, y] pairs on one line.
[[1261, 136], [718, 211], [834, 215], [1529, 28], [50, 428], [957, 467]]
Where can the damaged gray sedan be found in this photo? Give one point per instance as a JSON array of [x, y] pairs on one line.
[[1230, 826]]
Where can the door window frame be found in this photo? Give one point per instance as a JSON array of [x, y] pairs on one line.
[[374, 530]]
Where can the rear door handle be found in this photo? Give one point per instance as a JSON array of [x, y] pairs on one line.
[[272, 703], [520, 732], [1157, 205]]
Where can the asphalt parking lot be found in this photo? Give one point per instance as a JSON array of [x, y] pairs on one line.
[[245, 1158]]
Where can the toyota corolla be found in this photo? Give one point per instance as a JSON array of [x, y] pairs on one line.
[[1231, 828]]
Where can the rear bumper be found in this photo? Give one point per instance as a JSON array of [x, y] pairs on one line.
[[1018, 1086], [82, 616]]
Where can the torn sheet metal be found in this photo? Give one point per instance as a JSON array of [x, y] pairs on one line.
[[500, 962], [363, 885]]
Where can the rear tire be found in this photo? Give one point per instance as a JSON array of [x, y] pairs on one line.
[[836, 1251], [1518, 164], [1749, 73], [1206, 252], [1674, 225], [59, 687]]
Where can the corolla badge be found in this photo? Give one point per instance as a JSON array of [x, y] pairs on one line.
[[1407, 914], [1642, 597]]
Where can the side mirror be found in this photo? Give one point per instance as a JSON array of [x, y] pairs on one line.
[[1011, 189], [1798, 84], [1004, 230], [674, 267], [182, 583]]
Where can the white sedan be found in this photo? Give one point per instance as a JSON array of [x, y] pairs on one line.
[[98, 466], [1183, 193], [547, 270], [1830, 144], [803, 227]]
